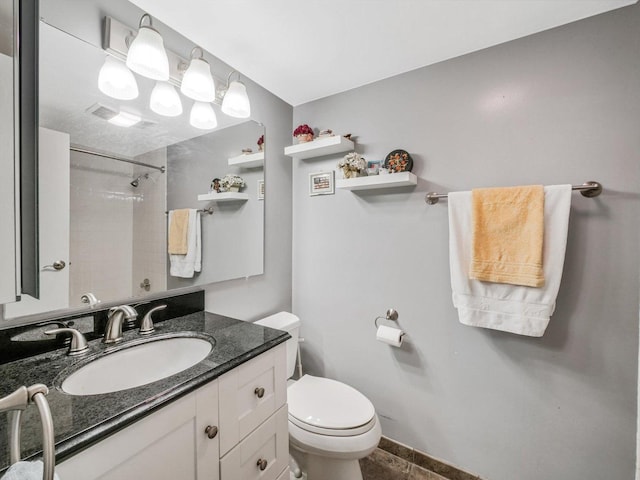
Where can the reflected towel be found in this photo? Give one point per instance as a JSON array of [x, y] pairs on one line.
[[186, 265], [508, 228], [178, 231], [26, 471], [510, 308]]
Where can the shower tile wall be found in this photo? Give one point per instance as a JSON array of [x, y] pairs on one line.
[[150, 225], [100, 228]]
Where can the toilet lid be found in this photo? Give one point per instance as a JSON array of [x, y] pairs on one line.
[[329, 404]]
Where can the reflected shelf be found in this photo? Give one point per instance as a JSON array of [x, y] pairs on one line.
[[250, 160], [223, 197]]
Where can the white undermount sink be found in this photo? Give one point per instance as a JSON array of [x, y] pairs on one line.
[[137, 365]]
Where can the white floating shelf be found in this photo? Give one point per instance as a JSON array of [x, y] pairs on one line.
[[250, 160], [401, 179], [224, 197], [320, 147]]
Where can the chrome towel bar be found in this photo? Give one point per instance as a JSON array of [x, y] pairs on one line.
[[587, 189]]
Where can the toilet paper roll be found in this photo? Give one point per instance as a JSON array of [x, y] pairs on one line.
[[390, 335]]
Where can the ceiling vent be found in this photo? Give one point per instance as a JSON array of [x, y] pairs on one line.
[[107, 113]]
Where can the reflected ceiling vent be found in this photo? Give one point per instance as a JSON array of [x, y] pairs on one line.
[[111, 115]]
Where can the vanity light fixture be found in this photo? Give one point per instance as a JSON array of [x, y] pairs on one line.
[[197, 82], [236, 101], [165, 100], [116, 80], [146, 55], [125, 119], [203, 116]]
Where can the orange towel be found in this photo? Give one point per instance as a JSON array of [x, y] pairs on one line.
[[178, 232], [508, 231]]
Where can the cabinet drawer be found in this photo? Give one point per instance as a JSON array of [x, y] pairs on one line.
[[267, 447], [250, 394]]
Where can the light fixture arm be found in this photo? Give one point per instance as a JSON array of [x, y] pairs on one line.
[[229, 78], [146, 15], [193, 50]]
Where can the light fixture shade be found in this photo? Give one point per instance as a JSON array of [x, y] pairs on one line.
[[125, 119], [165, 100], [147, 55], [203, 116], [197, 82], [116, 80], [236, 101]]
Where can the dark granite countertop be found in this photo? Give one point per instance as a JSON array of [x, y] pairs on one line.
[[80, 421]]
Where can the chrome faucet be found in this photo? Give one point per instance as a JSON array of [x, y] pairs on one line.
[[113, 330]]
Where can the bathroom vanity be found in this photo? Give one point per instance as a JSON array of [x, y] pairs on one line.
[[223, 418]]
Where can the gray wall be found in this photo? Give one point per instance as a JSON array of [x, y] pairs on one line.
[[255, 297], [233, 237], [562, 106]]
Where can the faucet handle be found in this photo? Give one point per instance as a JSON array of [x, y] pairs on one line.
[[78, 344], [146, 325]]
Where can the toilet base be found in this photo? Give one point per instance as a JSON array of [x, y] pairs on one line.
[[316, 467]]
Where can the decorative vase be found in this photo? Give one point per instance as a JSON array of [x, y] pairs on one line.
[[234, 188], [305, 137], [351, 173], [261, 148]]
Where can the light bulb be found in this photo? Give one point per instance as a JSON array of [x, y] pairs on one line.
[[116, 80], [147, 55], [165, 100], [203, 116], [236, 101], [197, 82]]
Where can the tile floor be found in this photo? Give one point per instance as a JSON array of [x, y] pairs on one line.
[[394, 461], [382, 465]]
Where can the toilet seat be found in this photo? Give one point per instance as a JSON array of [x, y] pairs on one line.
[[328, 407]]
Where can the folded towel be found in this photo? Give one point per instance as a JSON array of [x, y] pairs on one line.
[[510, 308], [186, 265], [178, 231], [26, 471], [508, 226]]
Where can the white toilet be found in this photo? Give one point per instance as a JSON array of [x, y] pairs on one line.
[[331, 425]]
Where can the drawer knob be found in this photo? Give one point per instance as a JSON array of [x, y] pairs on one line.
[[262, 464], [211, 431], [259, 391]]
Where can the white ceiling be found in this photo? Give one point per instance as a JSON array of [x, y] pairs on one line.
[[302, 51]]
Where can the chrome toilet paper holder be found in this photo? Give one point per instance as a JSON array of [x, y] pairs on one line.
[[392, 315]]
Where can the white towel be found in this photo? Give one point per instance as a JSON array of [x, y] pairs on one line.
[[26, 471], [510, 308], [185, 265]]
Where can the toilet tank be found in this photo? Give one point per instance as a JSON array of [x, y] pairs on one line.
[[290, 323]]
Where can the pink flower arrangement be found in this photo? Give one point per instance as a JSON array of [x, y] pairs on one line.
[[261, 140], [303, 129]]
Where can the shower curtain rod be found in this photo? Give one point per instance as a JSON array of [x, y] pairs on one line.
[[587, 189], [112, 157]]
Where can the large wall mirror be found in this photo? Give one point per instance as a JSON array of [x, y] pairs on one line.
[[111, 170]]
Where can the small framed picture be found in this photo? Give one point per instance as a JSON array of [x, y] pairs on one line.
[[374, 164], [373, 167], [321, 183], [261, 189]]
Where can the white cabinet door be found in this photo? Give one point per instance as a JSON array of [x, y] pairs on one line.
[[53, 191], [207, 448], [167, 445]]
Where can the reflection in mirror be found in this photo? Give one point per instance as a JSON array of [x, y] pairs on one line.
[[105, 188]]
